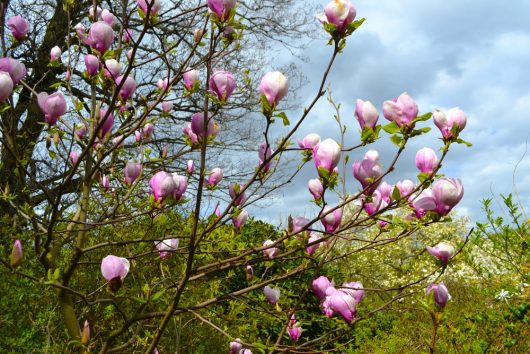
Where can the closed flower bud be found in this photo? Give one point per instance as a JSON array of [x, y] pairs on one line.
[[249, 271], [264, 153], [6, 86], [297, 224], [162, 185], [106, 126], [132, 171], [85, 334], [295, 332], [74, 157], [272, 294], [309, 141], [320, 285], [53, 106], [91, 64], [234, 192], [100, 36], [313, 245], [153, 5], [163, 84], [405, 187], [127, 36], [105, 183], [190, 77], [426, 160], [221, 8], [443, 251], [197, 35], [112, 69], [447, 192], [107, 17], [190, 167], [91, 14], [181, 184], [402, 110], [270, 252], [385, 191], [128, 88], [343, 304], [148, 130], [188, 131], [339, 13], [216, 175], [14, 68], [55, 53], [366, 114], [332, 220], [235, 346], [202, 130], [19, 27], [274, 86], [326, 155], [446, 121], [240, 219], [222, 83], [315, 188], [440, 293], [114, 270], [167, 106], [16, 254]]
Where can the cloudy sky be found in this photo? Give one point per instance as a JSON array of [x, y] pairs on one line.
[[471, 54]]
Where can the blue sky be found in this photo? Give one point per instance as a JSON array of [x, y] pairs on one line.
[[471, 54]]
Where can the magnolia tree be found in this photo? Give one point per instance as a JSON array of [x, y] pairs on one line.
[[133, 235]]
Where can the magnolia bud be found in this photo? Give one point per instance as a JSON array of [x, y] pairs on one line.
[[16, 254]]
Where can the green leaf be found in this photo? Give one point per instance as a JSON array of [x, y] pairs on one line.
[[391, 128], [423, 117], [396, 195], [284, 118], [461, 141], [396, 139]]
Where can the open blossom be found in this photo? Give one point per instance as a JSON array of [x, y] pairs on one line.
[[440, 293], [355, 289], [366, 114], [385, 191], [153, 5], [342, 303], [100, 36], [270, 252], [53, 106], [128, 88], [181, 184], [332, 220], [309, 141], [377, 203], [114, 270], [161, 185], [274, 86], [446, 121], [297, 224], [443, 251], [339, 13], [221, 8], [112, 68], [18, 26], [402, 110], [6, 86], [14, 68], [444, 195], [216, 175], [235, 346], [294, 331], [190, 78], [326, 155], [368, 170], [264, 153], [166, 247], [272, 294], [132, 171], [405, 187], [222, 83], [16, 254], [237, 196], [315, 188], [426, 160], [320, 285], [240, 219]]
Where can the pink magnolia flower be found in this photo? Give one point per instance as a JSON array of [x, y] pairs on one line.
[[368, 170], [270, 252], [315, 188], [405, 187], [80, 131], [240, 219], [202, 130], [128, 88], [167, 106], [313, 245], [332, 220], [162, 185], [6, 86], [127, 36], [100, 36], [294, 331], [221, 8], [91, 64], [55, 53], [190, 78], [445, 194], [377, 203], [222, 83], [440, 293], [339, 13], [326, 155], [112, 68], [234, 192], [385, 191], [107, 17], [309, 141], [91, 12], [445, 122], [320, 285], [53, 106], [163, 84], [274, 86], [132, 171], [426, 160], [235, 346], [19, 27], [16, 254], [74, 157], [216, 175], [14, 68], [166, 247], [366, 114], [217, 211], [343, 303], [105, 183], [188, 131], [154, 6], [272, 294], [354, 289], [114, 270], [443, 251], [190, 167], [148, 130], [106, 127], [297, 224], [264, 153], [401, 110], [181, 184]]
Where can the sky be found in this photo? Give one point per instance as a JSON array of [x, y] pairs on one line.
[[470, 54]]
